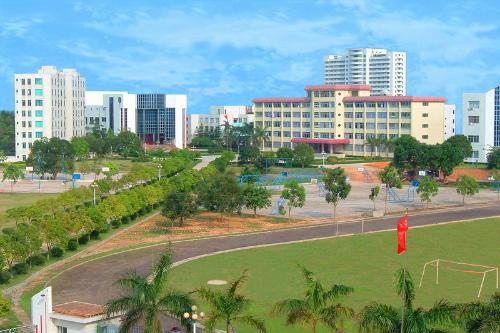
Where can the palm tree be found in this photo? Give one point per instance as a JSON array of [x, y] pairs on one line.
[[481, 317], [229, 306], [259, 136], [385, 318], [372, 143], [148, 298], [319, 305], [388, 146]]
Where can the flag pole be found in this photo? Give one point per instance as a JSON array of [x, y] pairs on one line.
[[404, 285]]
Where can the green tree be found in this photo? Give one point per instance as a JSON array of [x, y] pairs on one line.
[[29, 237], [407, 153], [390, 178], [285, 152], [148, 298], [7, 132], [467, 186], [113, 170], [26, 214], [256, 197], [179, 206], [80, 147], [229, 306], [374, 192], [427, 189], [303, 154], [372, 142], [4, 306], [220, 193], [85, 167], [481, 317], [127, 144], [462, 145], [378, 317], [53, 154], [337, 188], [493, 158], [52, 233], [249, 154], [260, 136], [12, 173], [3, 157], [11, 249], [320, 305], [294, 193]]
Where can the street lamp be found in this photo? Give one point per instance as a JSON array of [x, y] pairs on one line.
[[94, 186], [159, 171], [193, 315]]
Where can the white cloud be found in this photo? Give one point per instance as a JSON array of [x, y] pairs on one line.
[[17, 27]]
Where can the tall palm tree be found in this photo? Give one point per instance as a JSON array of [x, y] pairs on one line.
[[319, 305], [388, 146], [229, 307], [372, 143], [148, 298], [481, 317], [259, 136], [385, 318]]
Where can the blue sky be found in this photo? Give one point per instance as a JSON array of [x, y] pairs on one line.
[[228, 52]]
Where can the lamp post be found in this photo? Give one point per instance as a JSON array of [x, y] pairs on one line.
[[94, 186], [193, 315], [159, 171], [323, 154]]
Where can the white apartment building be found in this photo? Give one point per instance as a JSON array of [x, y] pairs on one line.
[[234, 115], [384, 70], [481, 122], [114, 110], [449, 120], [49, 103]]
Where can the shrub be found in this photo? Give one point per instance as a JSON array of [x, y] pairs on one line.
[[72, 245], [84, 239], [56, 252], [116, 223], [4, 305], [94, 234], [126, 219], [20, 268], [36, 260], [332, 159], [4, 277]]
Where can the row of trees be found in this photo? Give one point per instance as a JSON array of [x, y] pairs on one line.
[[54, 224], [148, 298]]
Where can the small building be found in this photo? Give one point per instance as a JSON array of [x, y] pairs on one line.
[[71, 317]]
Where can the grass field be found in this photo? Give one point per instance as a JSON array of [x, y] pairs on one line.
[[124, 165], [365, 262], [11, 200]]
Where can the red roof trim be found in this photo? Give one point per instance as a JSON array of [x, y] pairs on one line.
[[349, 87], [324, 141], [280, 99], [437, 99]]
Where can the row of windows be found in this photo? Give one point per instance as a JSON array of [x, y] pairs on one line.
[[38, 113], [284, 104], [38, 80], [404, 104], [380, 115], [29, 135], [38, 124], [473, 138], [38, 102], [349, 114]]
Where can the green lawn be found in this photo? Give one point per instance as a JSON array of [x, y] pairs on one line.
[[365, 262], [473, 166], [11, 200], [124, 165]]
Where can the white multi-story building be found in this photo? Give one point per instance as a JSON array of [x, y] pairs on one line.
[[49, 103], [114, 110], [481, 122], [219, 115], [449, 120], [384, 70]]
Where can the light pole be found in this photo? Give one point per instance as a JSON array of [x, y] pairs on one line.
[[94, 186], [159, 171], [193, 315], [323, 154]]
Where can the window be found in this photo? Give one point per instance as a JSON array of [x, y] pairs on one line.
[[359, 136], [348, 105], [382, 115], [277, 124], [382, 126], [473, 120], [370, 125], [359, 114], [359, 125], [296, 134], [277, 134], [277, 114], [286, 124], [287, 114], [405, 126], [406, 115], [296, 124], [425, 115], [475, 154], [348, 135], [24, 135], [348, 125], [29, 135], [393, 126], [38, 80], [370, 105], [38, 113], [296, 114], [306, 124], [382, 104], [425, 125], [268, 123], [62, 329], [425, 136], [393, 115], [306, 134], [348, 115], [38, 102], [473, 138], [306, 115], [38, 135], [38, 124], [38, 92], [370, 115], [268, 114], [473, 105], [425, 103]]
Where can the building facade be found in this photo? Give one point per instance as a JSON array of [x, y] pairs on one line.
[[161, 119], [218, 116], [115, 110], [481, 122], [49, 103], [384, 70], [340, 118], [449, 120]]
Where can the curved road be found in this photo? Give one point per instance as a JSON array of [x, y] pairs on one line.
[[93, 281]]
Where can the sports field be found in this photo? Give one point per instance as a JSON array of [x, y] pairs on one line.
[[365, 262]]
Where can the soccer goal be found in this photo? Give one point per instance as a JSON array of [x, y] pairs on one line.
[[462, 267]]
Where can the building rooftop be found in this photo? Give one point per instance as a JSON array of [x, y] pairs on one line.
[[437, 99], [280, 99], [79, 309]]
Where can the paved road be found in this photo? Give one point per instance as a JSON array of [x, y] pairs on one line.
[[93, 281]]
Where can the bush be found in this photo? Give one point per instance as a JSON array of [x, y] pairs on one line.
[[72, 245], [56, 252], [4, 305], [84, 239], [116, 223], [95, 234], [332, 159], [20, 268], [36, 260], [4, 277], [126, 219]]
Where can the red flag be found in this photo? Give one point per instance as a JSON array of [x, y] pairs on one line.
[[402, 229]]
